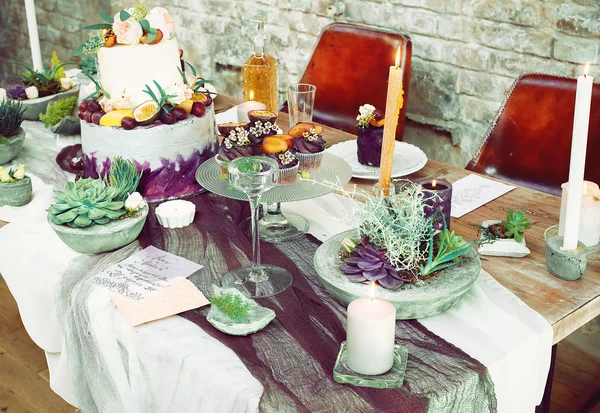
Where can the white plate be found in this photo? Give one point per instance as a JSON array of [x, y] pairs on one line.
[[407, 160]]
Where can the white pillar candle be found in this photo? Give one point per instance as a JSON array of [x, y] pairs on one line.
[[583, 100], [589, 225], [34, 39], [370, 336], [244, 108]]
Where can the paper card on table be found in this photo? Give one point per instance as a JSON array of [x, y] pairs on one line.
[[473, 191], [145, 273], [181, 296]]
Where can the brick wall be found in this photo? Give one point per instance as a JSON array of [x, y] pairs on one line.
[[466, 53]]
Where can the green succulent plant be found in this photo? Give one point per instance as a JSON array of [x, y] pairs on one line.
[[86, 202], [45, 81], [124, 177], [11, 117], [516, 224]]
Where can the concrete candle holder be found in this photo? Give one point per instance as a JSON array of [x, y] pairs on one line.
[[564, 264]]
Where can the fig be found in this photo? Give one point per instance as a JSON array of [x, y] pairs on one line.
[[377, 123], [263, 116], [84, 105], [272, 144], [198, 109], [96, 116], [128, 123], [87, 116], [94, 106], [180, 113], [299, 128], [226, 128], [168, 118], [378, 114], [157, 38], [146, 113]]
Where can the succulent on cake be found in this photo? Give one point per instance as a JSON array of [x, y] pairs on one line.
[[56, 111], [42, 83], [11, 117], [12, 175], [368, 115]]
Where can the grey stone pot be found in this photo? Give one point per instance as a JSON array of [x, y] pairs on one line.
[[422, 299], [69, 125], [10, 147], [16, 193], [503, 247], [96, 239], [33, 107]]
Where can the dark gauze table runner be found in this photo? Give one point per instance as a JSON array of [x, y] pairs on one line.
[[293, 357]]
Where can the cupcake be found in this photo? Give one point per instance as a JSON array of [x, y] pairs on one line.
[[288, 166], [234, 145], [309, 145], [262, 124], [370, 135]]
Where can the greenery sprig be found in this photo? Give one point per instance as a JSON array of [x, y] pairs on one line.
[[199, 83], [99, 92], [56, 111], [231, 305], [161, 101]]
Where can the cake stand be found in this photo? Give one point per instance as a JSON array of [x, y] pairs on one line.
[[274, 226]]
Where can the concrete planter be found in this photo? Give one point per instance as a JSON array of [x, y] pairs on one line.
[[33, 107], [96, 239], [10, 147], [16, 193], [503, 247]]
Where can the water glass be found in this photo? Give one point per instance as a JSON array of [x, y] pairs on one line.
[[301, 102]]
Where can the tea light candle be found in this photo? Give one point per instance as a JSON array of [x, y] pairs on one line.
[[244, 108], [370, 336], [589, 224], [175, 214], [438, 197]]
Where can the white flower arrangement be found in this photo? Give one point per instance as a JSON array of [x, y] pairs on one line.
[[237, 137], [287, 157], [260, 129], [159, 18], [311, 135], [366, 114], [128, 31]]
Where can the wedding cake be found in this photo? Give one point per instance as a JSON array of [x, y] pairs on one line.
[[145, 106]]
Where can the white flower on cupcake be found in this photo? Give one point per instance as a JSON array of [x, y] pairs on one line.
[[32, 92], [159, 18], [128, 31], [134, 202], [179, 93]]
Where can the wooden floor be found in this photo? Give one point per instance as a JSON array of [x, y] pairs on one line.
[[24, 386]]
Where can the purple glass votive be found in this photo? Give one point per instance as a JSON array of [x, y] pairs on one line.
[[369, 145], [438, 197]]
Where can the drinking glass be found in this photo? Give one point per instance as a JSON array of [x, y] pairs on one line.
[[301, 102], [254, 175]]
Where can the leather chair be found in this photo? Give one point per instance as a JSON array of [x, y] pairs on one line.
[[350, 67], [529, 141]]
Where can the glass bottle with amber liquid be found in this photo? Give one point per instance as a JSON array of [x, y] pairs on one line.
[[259, 72]]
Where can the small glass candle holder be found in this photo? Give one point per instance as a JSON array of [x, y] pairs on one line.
[[393, 378], [389, 191]]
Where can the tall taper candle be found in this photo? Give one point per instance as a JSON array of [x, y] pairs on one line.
[[581, 121], [393, 105], [34, 39]]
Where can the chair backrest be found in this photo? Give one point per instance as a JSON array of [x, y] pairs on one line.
[[350, 67], [529, 141]]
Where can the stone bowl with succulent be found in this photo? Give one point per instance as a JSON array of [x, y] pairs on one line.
[[98, 215], [39, 88], [420, 270], [505, 238], [59, 117], [15, 187], [11, 133]]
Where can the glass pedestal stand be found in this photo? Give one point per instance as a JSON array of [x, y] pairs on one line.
[[276, 227]]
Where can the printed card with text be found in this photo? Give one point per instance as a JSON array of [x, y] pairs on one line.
[[473, 191]]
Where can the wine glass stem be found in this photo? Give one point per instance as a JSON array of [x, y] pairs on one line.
[[254, 204]]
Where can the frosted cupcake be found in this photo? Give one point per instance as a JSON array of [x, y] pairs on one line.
[[309, 145], [288, 166], [235, 145]]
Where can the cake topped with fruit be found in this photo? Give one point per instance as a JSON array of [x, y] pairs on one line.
[[148, 105], [370, 135], [309, 145]]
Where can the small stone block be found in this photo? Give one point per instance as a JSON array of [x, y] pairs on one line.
[[392, 379], [566, 265]]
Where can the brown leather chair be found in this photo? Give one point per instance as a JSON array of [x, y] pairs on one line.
[[529, 141], [350, 67]]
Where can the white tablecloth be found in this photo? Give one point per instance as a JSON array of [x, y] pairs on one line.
[[490, 324]]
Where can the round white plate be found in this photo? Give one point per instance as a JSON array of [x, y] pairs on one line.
[[407, 160]]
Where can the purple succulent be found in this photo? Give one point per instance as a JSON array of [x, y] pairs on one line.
[[18, 92], [369, 263]]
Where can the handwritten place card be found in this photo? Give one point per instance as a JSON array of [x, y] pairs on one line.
[[473, 191], [181, 296], [145, 273]]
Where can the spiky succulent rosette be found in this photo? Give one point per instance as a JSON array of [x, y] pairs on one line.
[[368, 263]]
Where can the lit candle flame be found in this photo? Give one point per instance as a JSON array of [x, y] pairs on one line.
[[251, 95], [372, 294], [433, 183], [586, 70], [398, 58]]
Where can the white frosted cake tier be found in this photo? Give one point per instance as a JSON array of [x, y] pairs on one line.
[[168, 155], [128, 69]]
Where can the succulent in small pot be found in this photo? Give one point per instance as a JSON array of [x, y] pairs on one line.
[[11, 134], [15, 187], [506, 238]]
